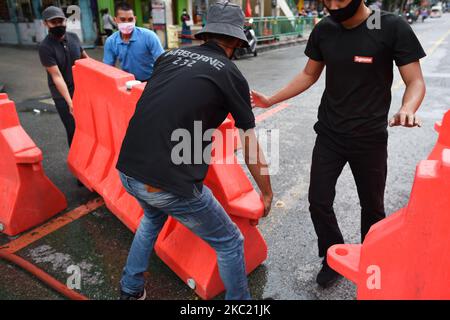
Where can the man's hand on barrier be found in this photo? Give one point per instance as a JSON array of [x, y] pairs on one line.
[[259, 100], [405, 119]]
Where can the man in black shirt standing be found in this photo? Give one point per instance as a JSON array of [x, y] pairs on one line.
[[352, 119], [58, 52], [190, 92]]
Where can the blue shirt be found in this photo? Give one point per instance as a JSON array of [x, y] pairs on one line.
[[137, 56]]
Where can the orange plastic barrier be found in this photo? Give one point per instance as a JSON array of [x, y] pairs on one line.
[[405, 256], [27, 196], [91, 155], [102, 117], [116, 198], [443, 129]]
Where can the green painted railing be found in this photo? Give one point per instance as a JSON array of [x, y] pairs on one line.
[[274, 28]]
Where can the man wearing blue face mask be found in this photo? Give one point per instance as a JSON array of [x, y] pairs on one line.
[[352, 121], [136, 48]]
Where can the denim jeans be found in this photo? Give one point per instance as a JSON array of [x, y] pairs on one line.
[[204, 216]]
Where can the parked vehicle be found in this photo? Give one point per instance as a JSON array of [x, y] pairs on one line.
[[436, 12], [251, 37], [409, 17]]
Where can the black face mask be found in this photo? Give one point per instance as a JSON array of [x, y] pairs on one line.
[[342, 14], [58, 31]]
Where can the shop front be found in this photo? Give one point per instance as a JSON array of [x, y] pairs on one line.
[[21, 22]]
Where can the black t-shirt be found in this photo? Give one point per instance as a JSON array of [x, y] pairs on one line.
[[187, 85], [63, 54], [359, 73]]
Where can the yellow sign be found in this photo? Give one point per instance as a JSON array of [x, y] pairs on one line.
[[172, 37]]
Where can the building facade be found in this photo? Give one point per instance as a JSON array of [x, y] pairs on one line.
[[21, 22]]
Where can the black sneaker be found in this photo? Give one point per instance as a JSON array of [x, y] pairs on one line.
[[327, 276], [127, 296]]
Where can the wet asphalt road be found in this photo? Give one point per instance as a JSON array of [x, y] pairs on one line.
[[99, 243]]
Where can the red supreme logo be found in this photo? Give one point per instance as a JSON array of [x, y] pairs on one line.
[[359, 59]]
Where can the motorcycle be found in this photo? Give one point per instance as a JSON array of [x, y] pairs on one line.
[[251, 37], [409, 18]]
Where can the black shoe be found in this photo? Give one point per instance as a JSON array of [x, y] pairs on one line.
[[127, 296], [327, 276]]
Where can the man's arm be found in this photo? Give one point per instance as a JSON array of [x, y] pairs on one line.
[[60, 85], [256, 164], [305, 79], [412, 98], [84, 55]]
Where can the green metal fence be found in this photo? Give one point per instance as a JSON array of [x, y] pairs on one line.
[[274, 28]]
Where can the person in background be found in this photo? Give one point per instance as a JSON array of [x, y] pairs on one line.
[[376, 5], [302, 12], [424, 13], [58, 53], [185, 27], [136, 48], [108, 22]]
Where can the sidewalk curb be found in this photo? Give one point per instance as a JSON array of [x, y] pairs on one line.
[[38, 103], [282, 44]]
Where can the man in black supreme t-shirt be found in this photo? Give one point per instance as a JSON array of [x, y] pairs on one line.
[[191, 92], [358, 48]]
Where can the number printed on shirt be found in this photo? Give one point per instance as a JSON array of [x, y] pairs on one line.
[[184, 62]]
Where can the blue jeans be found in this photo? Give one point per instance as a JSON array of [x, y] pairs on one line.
[[204, 216]]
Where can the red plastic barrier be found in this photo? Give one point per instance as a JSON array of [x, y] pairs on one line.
[[27, 196], [443, 129], [405, 256], [126, 207], [95, 99], [102, 117]]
